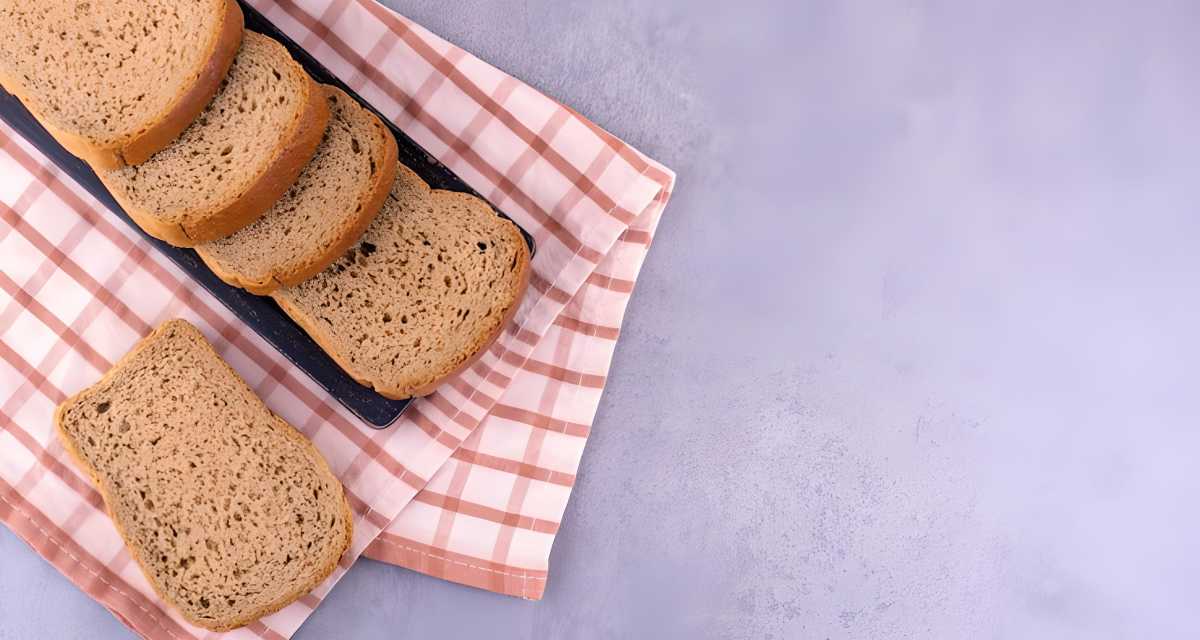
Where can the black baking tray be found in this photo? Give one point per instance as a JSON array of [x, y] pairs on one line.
[[261, 313]]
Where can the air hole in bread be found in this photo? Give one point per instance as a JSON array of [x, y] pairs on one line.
[[194, 183], [236, 563], [434, 253]]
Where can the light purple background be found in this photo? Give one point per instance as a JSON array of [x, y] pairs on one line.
[[914, 354]]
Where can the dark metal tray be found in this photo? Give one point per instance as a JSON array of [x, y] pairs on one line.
[[260, 313]]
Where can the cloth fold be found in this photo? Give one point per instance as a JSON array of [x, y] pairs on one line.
[[471, 484]]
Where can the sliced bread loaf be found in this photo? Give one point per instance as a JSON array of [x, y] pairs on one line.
[[429, 287], [315, 222], [230, 512], [115, 81], [242, 153]]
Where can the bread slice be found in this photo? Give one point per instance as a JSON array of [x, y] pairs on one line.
[[334, 199], [432, 283], [118, 80], [242, 153], [230, 512]]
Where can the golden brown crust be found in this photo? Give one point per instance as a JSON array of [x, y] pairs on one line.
[[271, 184], [278, 177], [313, 332], [318, 577], [486, 343], [136, 148], [401, 393], [168, 232], [77, 456], [187, 107], [371, 205]]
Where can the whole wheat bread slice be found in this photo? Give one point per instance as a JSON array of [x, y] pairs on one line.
[[323, 214], [229, 511], [116, 80], [435, 278], [239, 156]]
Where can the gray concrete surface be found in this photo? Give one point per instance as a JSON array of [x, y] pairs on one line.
[[914, 354]]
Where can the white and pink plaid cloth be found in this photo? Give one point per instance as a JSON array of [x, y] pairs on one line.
[[471, 484]]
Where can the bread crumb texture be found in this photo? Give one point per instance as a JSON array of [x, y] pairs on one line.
[[216, 159], [105, 70], [426, 289], [320, 209], [230, 512]]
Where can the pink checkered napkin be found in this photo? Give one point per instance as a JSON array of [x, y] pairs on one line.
[[489, 515], [470, 485]]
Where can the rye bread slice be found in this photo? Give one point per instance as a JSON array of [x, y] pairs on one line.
[[229, 511], [239, 156], [433, 281], [323, 214], [116, 81]]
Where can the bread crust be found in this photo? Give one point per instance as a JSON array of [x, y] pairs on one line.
[[399, 392], [94, 476], [371, 203], [280, 173], [188, 107], [485, 344], [135, 148]]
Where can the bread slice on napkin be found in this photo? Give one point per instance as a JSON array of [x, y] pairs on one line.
[[230, 512], [432, 283], [315, 222], [118, 80], [239, 156]]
